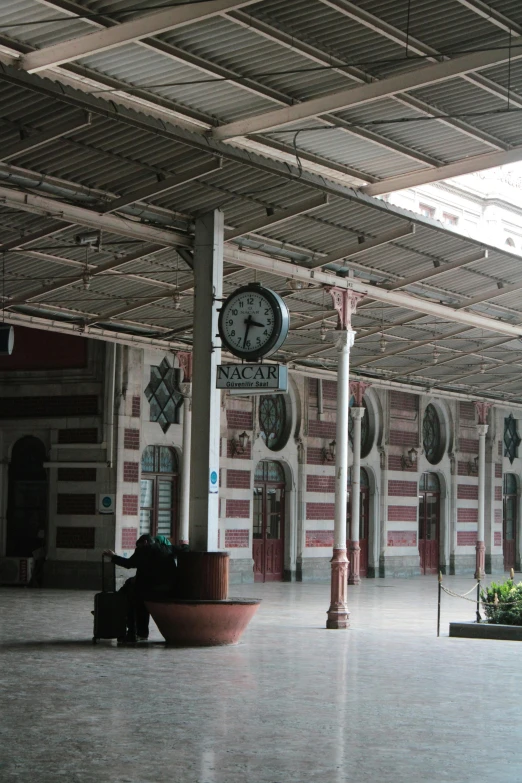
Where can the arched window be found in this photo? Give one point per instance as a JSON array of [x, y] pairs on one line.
[[510, 242], [274, 420], [267, 470], [431, 435], [158, 495], [429, 482]]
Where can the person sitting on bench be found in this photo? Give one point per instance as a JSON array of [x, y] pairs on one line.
[[155, 578]]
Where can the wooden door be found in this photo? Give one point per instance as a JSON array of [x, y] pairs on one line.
[[509, 526], [268, 531], [429, 524]]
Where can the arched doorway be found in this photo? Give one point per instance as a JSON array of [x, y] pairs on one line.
[[364, 518], [269, 522], [429, 523], [509, 521], [159, 492], [27, 498]]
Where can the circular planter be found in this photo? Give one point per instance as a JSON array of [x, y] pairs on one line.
[[193, 623]]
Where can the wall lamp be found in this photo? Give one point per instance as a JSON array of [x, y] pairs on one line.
[[411, 460], [329, 452], [239, 446], [473, 467]]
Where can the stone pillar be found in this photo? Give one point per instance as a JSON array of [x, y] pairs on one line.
[[345, 302], [482, 409], [204, 451]]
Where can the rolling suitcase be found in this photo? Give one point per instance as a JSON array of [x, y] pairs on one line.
[[110, 613]]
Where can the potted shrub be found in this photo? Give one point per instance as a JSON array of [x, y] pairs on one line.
[[504, 603]]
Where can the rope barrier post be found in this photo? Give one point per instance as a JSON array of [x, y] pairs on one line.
[[478, 601], [438, 607]]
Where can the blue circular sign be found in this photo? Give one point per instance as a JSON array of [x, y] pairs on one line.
[[213, 477], [106, 502]]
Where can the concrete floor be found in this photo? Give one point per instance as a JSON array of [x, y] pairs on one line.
[[385, 701]]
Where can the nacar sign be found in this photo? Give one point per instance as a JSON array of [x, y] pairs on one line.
[[252, 377]]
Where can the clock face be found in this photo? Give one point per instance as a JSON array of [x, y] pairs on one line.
[[253, 322]]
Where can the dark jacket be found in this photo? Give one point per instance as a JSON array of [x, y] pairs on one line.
[[155, 569]]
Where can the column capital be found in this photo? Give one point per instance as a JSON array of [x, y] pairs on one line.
[[345, 302], [482, 429], [343, 339], [358, 389], [185, 363], [357, 412], [482, 409]]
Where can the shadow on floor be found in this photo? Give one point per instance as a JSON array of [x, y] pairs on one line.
[[43, 644]]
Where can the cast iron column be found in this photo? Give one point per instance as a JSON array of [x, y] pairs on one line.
[[357, 388], [482, 409], [204, 451], [345, 302], [355, 549]]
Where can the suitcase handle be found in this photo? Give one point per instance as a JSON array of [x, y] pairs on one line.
[[103, 570]]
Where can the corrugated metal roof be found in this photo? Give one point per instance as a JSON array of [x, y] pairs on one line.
[[93, 165]]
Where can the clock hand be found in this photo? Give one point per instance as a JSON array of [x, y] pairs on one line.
[[255, 323], [248, 322]]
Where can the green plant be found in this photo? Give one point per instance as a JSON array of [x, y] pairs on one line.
[[504, 603]]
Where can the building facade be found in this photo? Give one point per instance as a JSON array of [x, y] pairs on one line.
[[92, 453], [486, 205]]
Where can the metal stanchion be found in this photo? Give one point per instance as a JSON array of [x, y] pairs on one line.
[[478, 601], [438, 607]]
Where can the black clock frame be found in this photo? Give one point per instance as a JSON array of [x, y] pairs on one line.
[[281, 322]]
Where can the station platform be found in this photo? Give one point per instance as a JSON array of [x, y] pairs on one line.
[[385, 701]]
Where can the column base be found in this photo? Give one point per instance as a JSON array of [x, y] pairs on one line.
[[338, 614], [480, 560], [354, 576]]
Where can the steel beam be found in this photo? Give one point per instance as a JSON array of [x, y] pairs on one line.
[[107, 335], [316, 55], [278, 217], [93, 271], [456, 169], [363, 247], [421, 277], [394, 298], [43, 205], [410, 346], [492, 16], [454, 357], [125, 33], [41, 138], [367, 93], [34, 236], [164, 185]]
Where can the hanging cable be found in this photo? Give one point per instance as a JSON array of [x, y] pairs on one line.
[[408, 28]]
